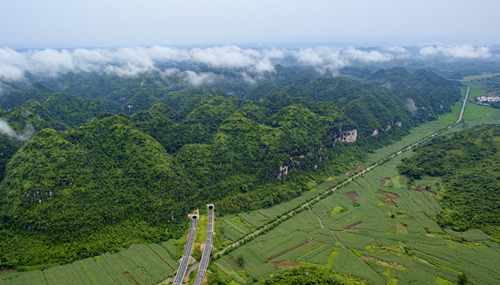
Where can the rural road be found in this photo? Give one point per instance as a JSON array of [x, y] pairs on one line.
[[346, 181], [187, 253], [463, 106], [190, 268], [205, 259]]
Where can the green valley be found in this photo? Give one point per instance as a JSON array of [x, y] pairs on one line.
[[109, 180]]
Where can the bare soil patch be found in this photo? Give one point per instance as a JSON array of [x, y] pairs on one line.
[[352, 225], [382, 182], [286, 264], [389, 195], [288, 250], [390, 203], [359, 168], [356, 182], [384, 263], [330, 178], [352, 195], [5, 271], [422, 188]]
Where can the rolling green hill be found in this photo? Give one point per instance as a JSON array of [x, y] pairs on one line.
[[468, 161], [90, 181]]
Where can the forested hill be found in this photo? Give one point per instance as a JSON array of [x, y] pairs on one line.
[[469, 162], [99, 181]]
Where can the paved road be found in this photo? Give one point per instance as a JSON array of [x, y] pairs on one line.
[[347, 180], [463, 106], [191, 268], [187, 253], [205, 259]]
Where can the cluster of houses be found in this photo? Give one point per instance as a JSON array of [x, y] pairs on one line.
[[485, 100]]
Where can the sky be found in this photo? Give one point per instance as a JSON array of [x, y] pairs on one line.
[[35, 24]]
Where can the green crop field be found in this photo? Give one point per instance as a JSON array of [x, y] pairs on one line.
[[384, 244], [370, 239], [474, 77], [226, 268], [476, 90], [141, 264]]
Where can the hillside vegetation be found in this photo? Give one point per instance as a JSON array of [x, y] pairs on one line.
[[90, 181], [469, 162]]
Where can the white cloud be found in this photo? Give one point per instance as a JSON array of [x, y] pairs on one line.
[[52, 60], [10, 73], [7, 130], [396, 49], [310, 56], [273, 53], [457, 51], [169, 71], [367, 56], [248, 78], [129, 61], [227, 56], [197, 79]]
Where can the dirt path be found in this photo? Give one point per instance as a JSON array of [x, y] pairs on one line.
[[352, 225], [320, 221], [288, 250], [356, 182]]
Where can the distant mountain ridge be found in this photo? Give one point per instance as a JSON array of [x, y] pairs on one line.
[[133, 176]]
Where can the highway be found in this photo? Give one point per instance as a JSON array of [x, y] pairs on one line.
[[463, 106], [187, 252], [350, 179], [205, 259]]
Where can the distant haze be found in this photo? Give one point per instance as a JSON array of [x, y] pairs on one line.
[[250, 63], [110, 23]]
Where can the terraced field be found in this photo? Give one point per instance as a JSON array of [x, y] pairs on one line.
[[141, 264], [387, 243]]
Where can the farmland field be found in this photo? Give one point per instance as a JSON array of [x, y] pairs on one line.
[[381, 242], [141, 264]]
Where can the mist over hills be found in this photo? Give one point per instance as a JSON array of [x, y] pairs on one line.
[[203, 66], [125, 158]]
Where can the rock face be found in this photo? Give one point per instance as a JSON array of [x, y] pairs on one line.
[[284, 169], [348, 135]]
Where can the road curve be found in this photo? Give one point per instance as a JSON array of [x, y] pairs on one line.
[[187, 253], [205, 259]]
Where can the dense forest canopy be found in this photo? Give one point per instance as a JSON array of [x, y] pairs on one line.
[[124, 160], [468, 161]]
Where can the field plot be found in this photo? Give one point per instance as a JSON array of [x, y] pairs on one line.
[[253, 218], [141, 264], [226, 268], [348, 263], [397, 242], [281, 208], [357, 233]]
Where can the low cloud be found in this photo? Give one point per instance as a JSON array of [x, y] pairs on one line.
[[323, 58], [328, 58], [7, 130], [396, 49], [463, 51], [197, 79], [410, 105], [129, 61], [132, 61], [367, 56]]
